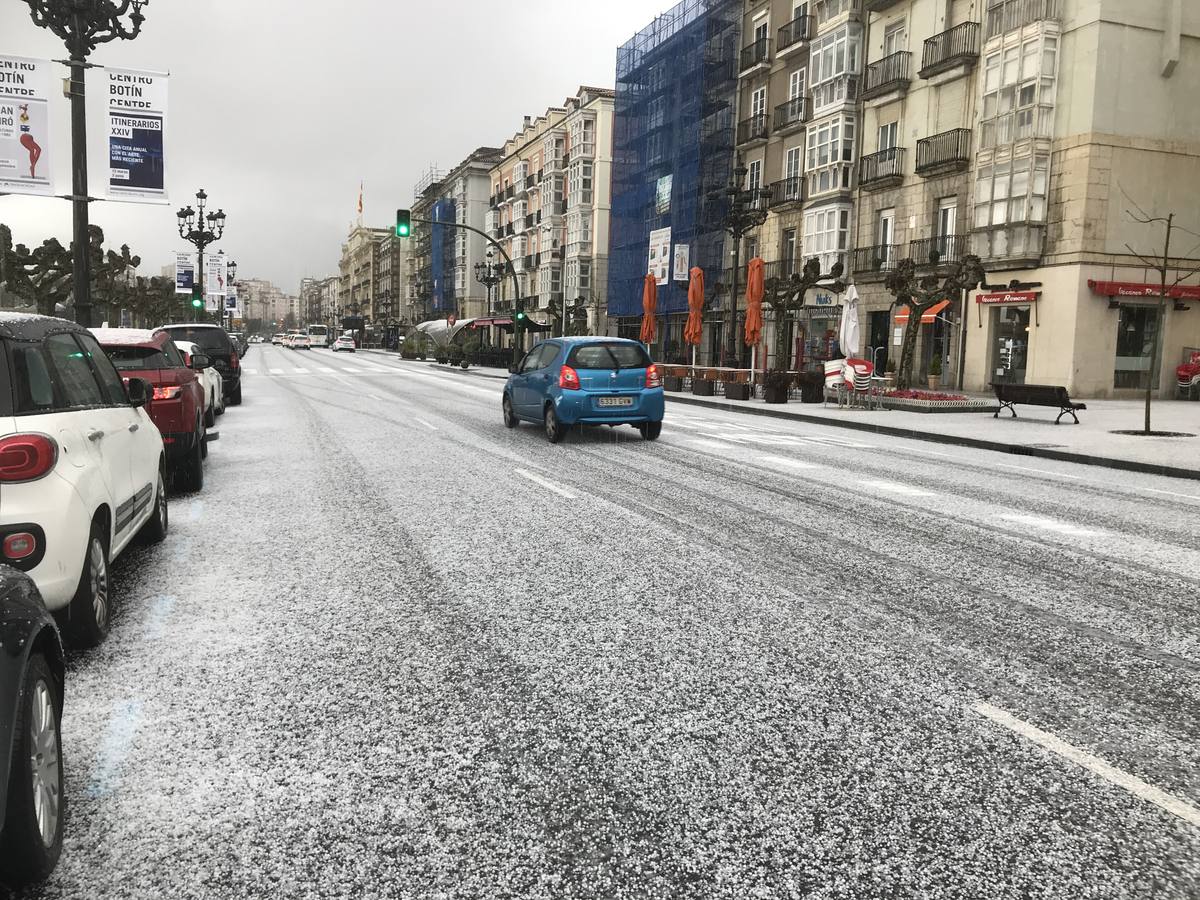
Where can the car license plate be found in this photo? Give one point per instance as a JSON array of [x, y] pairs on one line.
[[615, 401]]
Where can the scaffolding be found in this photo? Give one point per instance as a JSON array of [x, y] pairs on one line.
[[673, 141]]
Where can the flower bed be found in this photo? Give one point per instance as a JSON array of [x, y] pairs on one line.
[[933, 401]]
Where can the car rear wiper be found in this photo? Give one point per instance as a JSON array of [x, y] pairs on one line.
[[616, 362]]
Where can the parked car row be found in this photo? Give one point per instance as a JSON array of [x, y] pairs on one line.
[[94, 426]]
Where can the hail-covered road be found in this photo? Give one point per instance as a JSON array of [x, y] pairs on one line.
[[396, 650]]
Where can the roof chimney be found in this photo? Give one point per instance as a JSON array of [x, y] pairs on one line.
[[528, 121]]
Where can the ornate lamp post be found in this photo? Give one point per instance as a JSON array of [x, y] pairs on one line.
[[82, 25], [192, 229], [747, 210], [489, 274]]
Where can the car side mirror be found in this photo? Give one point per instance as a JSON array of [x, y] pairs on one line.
[[138, 392], [200, 362], [512, 369]]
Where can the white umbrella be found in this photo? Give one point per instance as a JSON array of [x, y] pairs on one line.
[[849, 336]]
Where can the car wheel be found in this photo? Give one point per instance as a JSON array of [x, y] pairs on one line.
[[33, 822], [88, 618], [210, 414], [650, 430], [555, 430], [190, 475], [203, 440], [235, 399], [155, 529], [510, 417]]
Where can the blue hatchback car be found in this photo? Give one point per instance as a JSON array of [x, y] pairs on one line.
[[585, 380]]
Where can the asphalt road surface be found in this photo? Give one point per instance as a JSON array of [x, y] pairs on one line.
[[396, 650]]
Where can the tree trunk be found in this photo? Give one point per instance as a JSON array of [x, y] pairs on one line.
[[908, 350]]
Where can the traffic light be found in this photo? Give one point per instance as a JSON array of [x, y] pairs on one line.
[[519, 318], [403, 222], [197, 300]]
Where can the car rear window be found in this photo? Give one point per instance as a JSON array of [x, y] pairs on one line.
[[609, 356], [129, 358], [208, 338]]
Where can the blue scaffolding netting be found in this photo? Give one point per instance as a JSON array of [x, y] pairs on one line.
[[441, 244], [673, 142]]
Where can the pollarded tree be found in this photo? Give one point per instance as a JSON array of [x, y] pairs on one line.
[[784, 296], [919, 294]]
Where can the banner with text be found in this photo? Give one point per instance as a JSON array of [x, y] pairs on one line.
[[683, 253], [137, 116], [25, 159], [231, 302], [185, 272], [659, 262], [214, 283]]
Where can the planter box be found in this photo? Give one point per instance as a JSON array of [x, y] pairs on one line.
[[702, 388], [775, 394], [939, 406], [735, 391], [673, 383]]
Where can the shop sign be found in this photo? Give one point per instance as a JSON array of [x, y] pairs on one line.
[[1008, 297], [1140, 289]]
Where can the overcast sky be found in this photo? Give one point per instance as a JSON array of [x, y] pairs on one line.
[[278, 108]]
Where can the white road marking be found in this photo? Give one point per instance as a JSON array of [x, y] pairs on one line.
[[708, 445], [299, 371], [1039, 471], [350, 370], [250, 371], [789, 463], [324, 370], [276, 371], [1047, 524], [1093, 764], [1174, 494], [895, 487], [427, 425], [548, 485]]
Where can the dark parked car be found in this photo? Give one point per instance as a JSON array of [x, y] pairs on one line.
[[216, 342], [32, 672]]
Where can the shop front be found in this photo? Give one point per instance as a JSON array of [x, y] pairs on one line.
[[1010, 317]]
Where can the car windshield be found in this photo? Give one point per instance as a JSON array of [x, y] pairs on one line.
[[609, 356], [132, 358], [207, 338]]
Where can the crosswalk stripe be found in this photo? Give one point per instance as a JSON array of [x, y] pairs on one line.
[[250, 371], [276, 371]]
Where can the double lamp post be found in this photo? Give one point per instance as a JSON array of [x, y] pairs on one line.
[[200, 230]]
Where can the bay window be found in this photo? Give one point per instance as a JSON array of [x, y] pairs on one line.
[[1012, 191], [1018, 91], [826, 233], [832, 58], [830, 155]]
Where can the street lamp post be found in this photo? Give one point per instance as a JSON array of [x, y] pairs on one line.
[[82, 25], [747, 211], [192, 229], [229, 282], [489, 274]]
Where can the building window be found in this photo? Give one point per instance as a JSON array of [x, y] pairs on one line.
[[793, 162], [758, 103], [579, 182], [796, 83], [460, 278], [826, 232], [1018, 92], [754, 175], [830, 155], [583, 137], [1137, 335], [831, 9], [895, 38], [787, 252], [831, 59], [1008, 15], [1012, 191], [585, 275], [887, 135]]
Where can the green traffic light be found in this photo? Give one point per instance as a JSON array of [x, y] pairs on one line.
[[403, 222], [197, 302], [401, 231]]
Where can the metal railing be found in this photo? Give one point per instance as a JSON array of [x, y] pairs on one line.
[[940, 250], [787, 190], [882, 165], [879, 258], [800, 29], [950, 148], [752, 129], [889, 73], [1004, 16], [942, 51], [793, 112], [756, 53]]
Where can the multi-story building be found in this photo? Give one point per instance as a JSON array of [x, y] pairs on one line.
[[1027, 131], [331, 311], [390, 281], [673, 136], [550, 206], [357, 272]]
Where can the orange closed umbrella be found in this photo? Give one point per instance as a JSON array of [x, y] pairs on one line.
[[694, 329], [649, 306], [754, 299]]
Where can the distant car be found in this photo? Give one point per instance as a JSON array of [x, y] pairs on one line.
[[278, 339], [344, 343], [300, 342], [589, 381], [239, 341], [218, 346], [32, 674], [177, 404], [214, 395], [82, 467]]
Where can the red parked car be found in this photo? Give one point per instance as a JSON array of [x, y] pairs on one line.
[[177, 404]]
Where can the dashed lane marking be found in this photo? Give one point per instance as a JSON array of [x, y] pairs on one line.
[[895, 487], [275, 371], [1047, 524], [787, 463], [250, 371], [548, 485], [299, 371], [1093, 764], [1038, 471], [426, 424], [1174, 494]]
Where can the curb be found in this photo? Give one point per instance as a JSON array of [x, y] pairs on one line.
[[975, 443]]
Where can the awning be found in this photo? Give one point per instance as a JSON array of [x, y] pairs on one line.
[[1141, 289], [927, 318], [1007, 297], [491, 320]]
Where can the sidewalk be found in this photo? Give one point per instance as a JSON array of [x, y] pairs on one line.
[[1032, 433]]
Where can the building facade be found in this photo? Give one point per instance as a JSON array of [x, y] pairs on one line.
[[358, 272]]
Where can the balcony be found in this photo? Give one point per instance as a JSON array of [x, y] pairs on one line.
[[875, 262], [881, 170], [1004, 16], [938, 251], [888, 76], [755, 57], [957, 48], [530, 220], [752, 130], [530, 181], [509, 192], [792, 114], [878, 5], [508, 229], [949, 151], [787, 190], [796, 33], [530, 262]]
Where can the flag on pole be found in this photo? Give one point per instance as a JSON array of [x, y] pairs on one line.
[[360, 198]]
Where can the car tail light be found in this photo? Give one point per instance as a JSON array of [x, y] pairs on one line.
[[27, 457], [568, 378], [167, 393], [21, 545], [233, 359], [653, 378]]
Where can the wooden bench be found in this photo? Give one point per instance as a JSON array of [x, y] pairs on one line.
[[1052, 395]]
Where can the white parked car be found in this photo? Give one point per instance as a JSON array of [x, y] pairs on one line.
[[344, 343], [278, 339], [300, 342], [81, 468], [214, 394]]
